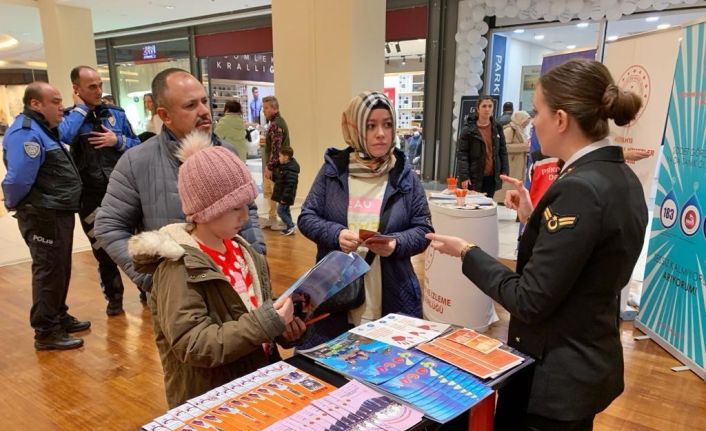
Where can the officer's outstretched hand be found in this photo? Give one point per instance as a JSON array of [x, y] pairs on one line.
[[518, 198], [446, 244], [103, 139]]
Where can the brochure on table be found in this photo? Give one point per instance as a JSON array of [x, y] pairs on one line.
[[400, 330], [281, 397]]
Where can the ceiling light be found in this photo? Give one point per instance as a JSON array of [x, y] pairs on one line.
[[404, 61], [652, 19], [397, 46], [519, 30], [582, 25], [37, 64], [570, 46], [170, 7], [3, 62], [7, 41], [611, 38], [538, 37], [663, 26]]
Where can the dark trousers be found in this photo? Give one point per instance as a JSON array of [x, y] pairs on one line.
[[488, 186], [49, 234], [284, 213], [110, 281], [511, 410]]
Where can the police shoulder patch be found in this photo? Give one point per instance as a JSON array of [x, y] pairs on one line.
[[32, 149], [111, 120], [555, 222]]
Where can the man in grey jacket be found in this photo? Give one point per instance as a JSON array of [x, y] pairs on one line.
[[142, 192]]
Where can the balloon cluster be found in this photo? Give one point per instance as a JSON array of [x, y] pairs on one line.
[[471, 40]]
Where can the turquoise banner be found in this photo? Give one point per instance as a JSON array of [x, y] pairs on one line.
[[673, 307]]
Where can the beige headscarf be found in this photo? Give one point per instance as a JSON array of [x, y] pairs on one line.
[[353, 124]]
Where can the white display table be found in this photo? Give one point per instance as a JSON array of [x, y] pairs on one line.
[[448, 296]]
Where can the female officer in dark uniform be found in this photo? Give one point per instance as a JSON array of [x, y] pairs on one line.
[[575, 255]]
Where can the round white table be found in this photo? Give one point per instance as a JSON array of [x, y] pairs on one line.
[[448, 296]]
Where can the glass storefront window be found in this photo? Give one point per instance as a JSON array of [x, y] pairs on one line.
[[136, 66]]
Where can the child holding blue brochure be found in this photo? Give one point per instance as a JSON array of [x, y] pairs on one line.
[[213, 315]]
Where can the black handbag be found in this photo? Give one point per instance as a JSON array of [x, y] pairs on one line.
[[348, 298]]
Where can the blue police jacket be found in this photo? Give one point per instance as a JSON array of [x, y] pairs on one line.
[[40, 171], [96, 164]]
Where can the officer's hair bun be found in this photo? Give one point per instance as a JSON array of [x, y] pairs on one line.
[[621, 106]]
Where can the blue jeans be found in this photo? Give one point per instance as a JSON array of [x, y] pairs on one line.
[[286, 216]]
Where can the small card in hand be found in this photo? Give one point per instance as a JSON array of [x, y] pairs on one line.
[[372, 237]]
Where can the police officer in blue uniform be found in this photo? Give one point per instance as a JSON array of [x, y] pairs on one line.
[[578, 250], [43, 185], [98, 134]]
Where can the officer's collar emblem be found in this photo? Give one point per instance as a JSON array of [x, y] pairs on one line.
[[111, 120], [555, 222]]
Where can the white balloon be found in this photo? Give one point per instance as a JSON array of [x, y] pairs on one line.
[[542, 6], [557, 7], [500, 4], [482, 27], [613, 14], [459, 82], [464, 7], [644, 4], [534, 13], [474, 80], [463, 58], [661, 4], [482, 56], [584, 14], [550, 17], [478, 13], [459, 37], [511, 11], [675, 1], [483, 43], [690, 1], [523, 14], [628, 7], [565, 17], [476, 51], [597, 13], [464, 25], [473, 36], [480, 84], [524, 4], [574, 6], [607, 4], [476, 66], [500, 13]]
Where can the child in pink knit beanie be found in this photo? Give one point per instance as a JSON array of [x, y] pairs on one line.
[[211, 304]]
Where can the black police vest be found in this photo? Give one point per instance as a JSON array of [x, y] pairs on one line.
[[57, 185], [94, 164]]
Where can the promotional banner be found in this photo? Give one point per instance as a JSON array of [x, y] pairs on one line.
[[635, 68], [497, 68], [248, 67], [673, 310], [550, 61]]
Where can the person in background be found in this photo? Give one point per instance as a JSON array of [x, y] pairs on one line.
[[578, 250], [413, 146], [369, 186], [153, 123], [255, 106], [277, 137], [515, 131], [142, 193], [44, 186], [231, 128], [97, 141], [211, 299], [286, 178], [506, 116], [481, 154]]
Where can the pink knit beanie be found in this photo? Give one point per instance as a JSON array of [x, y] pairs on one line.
[[212, 179]]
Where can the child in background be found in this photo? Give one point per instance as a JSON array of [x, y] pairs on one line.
[[213, 316], [286, 178]]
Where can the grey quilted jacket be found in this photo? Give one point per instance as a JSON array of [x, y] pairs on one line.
[[142, 196]]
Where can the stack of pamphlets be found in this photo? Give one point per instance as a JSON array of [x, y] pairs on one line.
[[400, 330], [252, 402], [440, 391], [351, 407], [473, 352]]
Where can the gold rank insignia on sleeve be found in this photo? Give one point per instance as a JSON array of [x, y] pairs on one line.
[[555, 222]]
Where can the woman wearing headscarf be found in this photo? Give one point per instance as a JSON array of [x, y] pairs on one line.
[[369, 186], [515, 130]]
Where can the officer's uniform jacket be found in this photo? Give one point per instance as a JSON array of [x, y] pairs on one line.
[[40, 171], [577, 252], [96, 164]]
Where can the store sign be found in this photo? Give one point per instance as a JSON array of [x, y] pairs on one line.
[[248, 67], [497, 71], [673, 306], [149, 52]]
